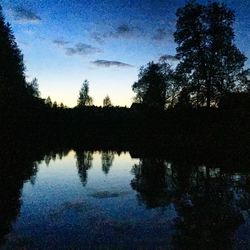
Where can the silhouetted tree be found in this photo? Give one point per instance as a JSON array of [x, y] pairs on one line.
[[172, 82], [48, 102], [13, 89], [54, 106], [209, 59], [107, 102], [150, 89], [84, 98], [62, 106]]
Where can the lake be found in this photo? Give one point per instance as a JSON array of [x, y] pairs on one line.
[[115, 200]]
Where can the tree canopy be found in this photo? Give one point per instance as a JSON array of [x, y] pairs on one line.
[[107, 102], [16, 94], [150, 89], [157, 85], [84, 99], [210, 63], [12, 78]]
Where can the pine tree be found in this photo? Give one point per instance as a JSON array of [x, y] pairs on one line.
[[13, 91]]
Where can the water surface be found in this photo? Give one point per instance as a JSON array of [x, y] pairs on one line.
[[108, 200]]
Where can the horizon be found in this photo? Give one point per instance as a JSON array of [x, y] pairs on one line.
[[102, 41]]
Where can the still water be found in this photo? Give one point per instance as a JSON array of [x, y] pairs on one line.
[[109, 200]]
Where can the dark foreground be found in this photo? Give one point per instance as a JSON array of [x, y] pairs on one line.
[[125, 179], [188, 189]]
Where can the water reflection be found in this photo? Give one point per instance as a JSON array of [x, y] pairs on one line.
[[151, 182], [15, 170], [84, 163], [107, 161], [211, 203], [215, 212]]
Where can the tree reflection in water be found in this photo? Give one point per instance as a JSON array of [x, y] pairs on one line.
[[15, 169], [84, 163], [211, 204], [107, 161], [150, 182]]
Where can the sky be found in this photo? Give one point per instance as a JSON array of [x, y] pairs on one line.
[[65, 42]]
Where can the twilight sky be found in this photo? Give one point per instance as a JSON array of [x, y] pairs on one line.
[[104, 41]]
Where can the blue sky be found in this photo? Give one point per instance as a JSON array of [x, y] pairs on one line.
[[104, 41]]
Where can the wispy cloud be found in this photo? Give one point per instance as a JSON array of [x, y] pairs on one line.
[[123, 31], [23, 15], [82, 49], [160, 34], [168, 58], [98, 37], [107, 63], [60, 42]]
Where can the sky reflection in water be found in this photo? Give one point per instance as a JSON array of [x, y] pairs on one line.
[[102, 199]]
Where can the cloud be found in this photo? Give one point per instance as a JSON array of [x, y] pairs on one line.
[[124, 30], [121, 31], [168, 58], [60, 42], [82, 49], [23, 15], [106, 63], [99, 38], [160, 34]]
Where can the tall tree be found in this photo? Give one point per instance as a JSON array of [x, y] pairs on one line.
[[13, 89], [209, 60], [84, 98], [150, 89], [172, 82], [227, 62]]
